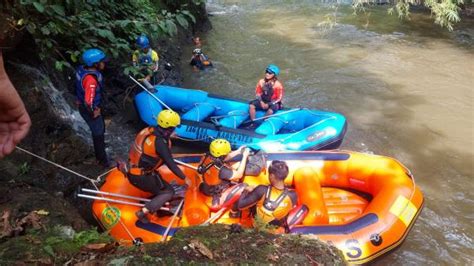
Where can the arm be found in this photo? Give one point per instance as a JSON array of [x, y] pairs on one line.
[[239, 173], [89, 83], [135, 58], [164, 152], [278, 94], [258, 90], [14, 120], [156, 60], [249, 199]]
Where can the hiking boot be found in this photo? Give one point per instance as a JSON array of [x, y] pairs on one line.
[[142, 217]]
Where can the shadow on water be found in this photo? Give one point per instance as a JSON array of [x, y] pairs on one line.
[[361, 71]]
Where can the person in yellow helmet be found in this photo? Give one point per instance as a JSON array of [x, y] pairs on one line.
[[273, 202], [216, 171], [150, 150]]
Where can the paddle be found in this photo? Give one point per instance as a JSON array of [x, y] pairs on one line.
[[149, 92], [272, 115]]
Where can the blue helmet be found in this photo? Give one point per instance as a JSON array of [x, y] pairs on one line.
[[143, 42], [273, 69], [92, 56]]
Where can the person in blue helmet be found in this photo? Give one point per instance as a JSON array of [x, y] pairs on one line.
[[269, 93], [146, 59], [89, 99]]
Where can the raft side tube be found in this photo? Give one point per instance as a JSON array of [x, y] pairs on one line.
[[199, 112]]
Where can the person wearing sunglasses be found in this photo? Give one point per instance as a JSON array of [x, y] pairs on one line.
[[269, 92]]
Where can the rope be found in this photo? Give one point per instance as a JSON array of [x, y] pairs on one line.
[[57, 165], [193, 140], [93, 182]]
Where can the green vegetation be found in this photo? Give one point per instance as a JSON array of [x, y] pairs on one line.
[[63, 29], [445, 12]]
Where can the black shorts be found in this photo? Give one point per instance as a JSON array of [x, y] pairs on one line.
[[275, 107]]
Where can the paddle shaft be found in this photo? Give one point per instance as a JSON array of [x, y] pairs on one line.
[[149, 92], [273, 115], [165, 235]]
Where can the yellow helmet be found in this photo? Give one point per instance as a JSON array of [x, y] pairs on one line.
[[168, 118], [219, 147]]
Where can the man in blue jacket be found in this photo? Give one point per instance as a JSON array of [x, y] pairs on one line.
[[89, 93]]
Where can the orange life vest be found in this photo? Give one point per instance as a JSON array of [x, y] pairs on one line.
[[143, 153], [275, 205]]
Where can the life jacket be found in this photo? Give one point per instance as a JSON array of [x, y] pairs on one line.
[[275, 205], [209, 169], [143, 154], [81, 73], [145, 59], [267, 91]]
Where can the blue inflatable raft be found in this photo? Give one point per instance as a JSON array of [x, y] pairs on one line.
[[205, 117]]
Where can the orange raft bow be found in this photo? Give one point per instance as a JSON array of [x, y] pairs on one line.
[[363, 204]]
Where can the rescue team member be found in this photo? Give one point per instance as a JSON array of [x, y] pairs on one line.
[[89, 94], [217, 173], [146, 59], [269, 92], [152, 149], [273, 202], [199, 60]]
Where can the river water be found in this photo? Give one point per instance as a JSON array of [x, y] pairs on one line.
[[406, 88]]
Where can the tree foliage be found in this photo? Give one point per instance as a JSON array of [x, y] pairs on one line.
[[62, 29], [445, 12]]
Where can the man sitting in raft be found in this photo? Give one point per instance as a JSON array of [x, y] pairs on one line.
[[199, 60], [146, 59], [152, 149], [273, 202], [269, 92], [217, 174]]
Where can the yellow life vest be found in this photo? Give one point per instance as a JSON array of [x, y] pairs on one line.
[[275, 205]]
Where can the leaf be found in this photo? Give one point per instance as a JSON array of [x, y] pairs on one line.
[[45, 30], [49, 250], [171, 27], [39, 7], [182, 21], [58, 65], [58, 9], [187, 13], [199, 246]]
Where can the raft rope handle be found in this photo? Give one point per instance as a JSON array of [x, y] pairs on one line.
[[93, 182], [193, 140]]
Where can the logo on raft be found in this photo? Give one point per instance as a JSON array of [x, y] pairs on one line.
[[110, 217], [315, 136]]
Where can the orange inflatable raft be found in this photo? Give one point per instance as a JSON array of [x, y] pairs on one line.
[[363, 204]]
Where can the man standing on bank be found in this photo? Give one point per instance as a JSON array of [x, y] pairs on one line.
[[89, 99]]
